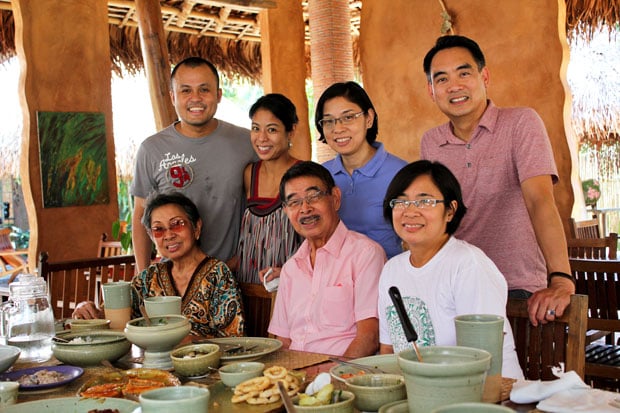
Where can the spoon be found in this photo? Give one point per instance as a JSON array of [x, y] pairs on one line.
[[145, 315], [410, 332], [286, 399]]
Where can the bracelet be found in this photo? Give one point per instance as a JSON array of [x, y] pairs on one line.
[[561, 274]]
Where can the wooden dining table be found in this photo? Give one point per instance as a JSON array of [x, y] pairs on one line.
[[309, 364]]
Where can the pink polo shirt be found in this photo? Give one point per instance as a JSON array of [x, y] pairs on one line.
[[317, 308], [509, 146]]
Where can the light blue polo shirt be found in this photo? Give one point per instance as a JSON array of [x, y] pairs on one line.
[[361, 209]]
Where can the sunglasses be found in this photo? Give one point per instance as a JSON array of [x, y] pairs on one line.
[[176, 225]]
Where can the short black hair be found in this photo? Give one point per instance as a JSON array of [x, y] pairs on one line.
[[352, 92], [159, 199], [195, 61], [280, 106], [448, 42], [303, 169], [440, 175]]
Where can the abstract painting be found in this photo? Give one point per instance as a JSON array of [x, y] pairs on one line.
[[73, 155]]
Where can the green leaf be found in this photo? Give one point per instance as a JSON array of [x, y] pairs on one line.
[[116, 229]]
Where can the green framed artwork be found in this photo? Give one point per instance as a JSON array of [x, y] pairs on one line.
[[74, 161]]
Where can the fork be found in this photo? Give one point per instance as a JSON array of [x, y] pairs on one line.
[[363, 367]]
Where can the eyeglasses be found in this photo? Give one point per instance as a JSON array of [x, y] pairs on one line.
[[330, 123], [402, 204], [176, 225], [311, 198]]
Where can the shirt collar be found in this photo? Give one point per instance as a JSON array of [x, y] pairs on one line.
[[333, 246], [371, 167]]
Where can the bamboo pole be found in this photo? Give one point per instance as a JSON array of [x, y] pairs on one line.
[[155, 57]]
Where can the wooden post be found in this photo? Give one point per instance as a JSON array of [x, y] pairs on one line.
[[284, 66], [155, 56]]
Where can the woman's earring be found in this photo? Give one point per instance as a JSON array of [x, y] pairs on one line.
[[290, 144]]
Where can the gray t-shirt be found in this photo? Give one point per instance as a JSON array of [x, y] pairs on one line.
[[208, 170]]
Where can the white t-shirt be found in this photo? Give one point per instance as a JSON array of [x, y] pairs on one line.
[[459, 279]]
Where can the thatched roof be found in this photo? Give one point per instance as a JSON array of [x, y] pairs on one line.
[[594, 78], [227, 31]]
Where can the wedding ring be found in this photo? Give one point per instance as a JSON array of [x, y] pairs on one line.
[[550, 312]]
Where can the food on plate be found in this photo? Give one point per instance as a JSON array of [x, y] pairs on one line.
[[322, 397], [41, 377], [320, 392], [264, 389], [349, 375], [129, 384]]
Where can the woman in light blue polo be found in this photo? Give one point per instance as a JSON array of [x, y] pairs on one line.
[[347, 121]]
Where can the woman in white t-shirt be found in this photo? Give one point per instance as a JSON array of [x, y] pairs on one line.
[[439, 276]]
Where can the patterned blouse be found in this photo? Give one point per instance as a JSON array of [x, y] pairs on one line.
[[267, 237], [212, 301]]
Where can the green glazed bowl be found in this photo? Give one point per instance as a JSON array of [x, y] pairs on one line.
[[375, 390], [235, 373], [89, 348]]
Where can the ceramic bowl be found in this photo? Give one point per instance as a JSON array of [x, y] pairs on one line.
[[162, 334], [90, 347], [94, 324], [235, 373], [473, 408], [186, 399], [8, 356], [195, 359], [345, 405], [375, 390]]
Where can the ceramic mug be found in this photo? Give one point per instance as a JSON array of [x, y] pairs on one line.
[[117, 303], [8, 392], [486, 332], [162, 305]]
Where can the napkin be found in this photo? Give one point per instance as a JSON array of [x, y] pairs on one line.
[[530, 391], [581, 400]]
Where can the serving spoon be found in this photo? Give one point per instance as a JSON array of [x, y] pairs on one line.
[[145, 315], [410, 332], [286, 399]]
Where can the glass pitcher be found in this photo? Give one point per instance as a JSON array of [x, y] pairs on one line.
[[27, 319]]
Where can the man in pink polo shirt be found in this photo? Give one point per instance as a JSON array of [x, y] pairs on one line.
[[503, 160], [327, 297]]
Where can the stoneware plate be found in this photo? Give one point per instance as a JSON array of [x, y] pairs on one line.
[[70, 372], [257, 347], [72, 405], [386, 362]]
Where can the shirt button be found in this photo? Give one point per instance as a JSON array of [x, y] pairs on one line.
[[468, 146], [468, 164]]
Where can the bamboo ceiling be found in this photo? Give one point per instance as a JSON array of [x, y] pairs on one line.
[[227, 31]]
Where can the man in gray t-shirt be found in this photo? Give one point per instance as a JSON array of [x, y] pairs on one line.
[[198, 155]]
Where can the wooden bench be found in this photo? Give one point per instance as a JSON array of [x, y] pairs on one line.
[[71, 282], [560, 341], [257, 308], [598, 279], [594, 248]]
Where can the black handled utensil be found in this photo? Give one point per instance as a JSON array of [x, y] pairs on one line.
[[410, 332]]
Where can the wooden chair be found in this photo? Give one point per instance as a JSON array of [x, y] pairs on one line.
[[71, 282], [594, 248], [585, 229], [12, 261], [598, 279], [540, 348], [109, 248], [258, 307]]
